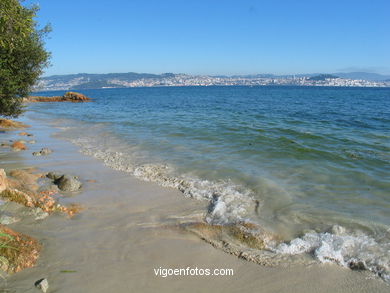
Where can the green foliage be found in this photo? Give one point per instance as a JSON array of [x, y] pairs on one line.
[[4, 244], [22, 54]]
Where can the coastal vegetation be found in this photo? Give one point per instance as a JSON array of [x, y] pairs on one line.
[[23, 56]]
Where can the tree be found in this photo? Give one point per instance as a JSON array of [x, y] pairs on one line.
[[22, 54]]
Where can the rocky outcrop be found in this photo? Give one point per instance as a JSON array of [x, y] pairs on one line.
[[67, 97], [75, 97], [24, 179], [22, 187], [6, 124]]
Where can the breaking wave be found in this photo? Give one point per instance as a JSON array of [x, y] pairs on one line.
[[347, 248], [231, 203], [228, 202]]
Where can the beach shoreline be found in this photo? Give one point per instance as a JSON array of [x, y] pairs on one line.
[[128, 229]]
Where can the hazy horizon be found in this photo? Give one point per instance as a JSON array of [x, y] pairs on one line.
[[46, 74]]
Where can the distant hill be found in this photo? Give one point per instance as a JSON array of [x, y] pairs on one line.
[[83, 81], [363, 75], [322, 77]]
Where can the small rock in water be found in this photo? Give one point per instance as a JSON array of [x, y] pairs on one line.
[[68, 183], [357, 265], [7, 220], [18, 146], [31, 141], [42, 284], [39, 214], [43, 152]]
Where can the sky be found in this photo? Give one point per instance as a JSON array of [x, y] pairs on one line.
[[217, 37]]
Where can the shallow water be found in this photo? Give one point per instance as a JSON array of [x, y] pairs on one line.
[[305, 163]]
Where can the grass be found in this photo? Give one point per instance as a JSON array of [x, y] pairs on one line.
[[5, 239], [17, 251]]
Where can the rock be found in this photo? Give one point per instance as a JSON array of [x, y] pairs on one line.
[[26, 179], [31, 141], [18, 146], [19, 197], [43, 152], [357, 265], [42, 284], [7, 220], [3, 180], [48, 186], [53, 175], [75, 97], [23, 133], [68, 183], [39, 214], [5, 123], [67, 97]]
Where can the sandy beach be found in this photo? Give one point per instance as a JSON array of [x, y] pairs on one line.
[[129, 228]]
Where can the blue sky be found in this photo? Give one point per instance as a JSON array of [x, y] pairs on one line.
[[217, 37]]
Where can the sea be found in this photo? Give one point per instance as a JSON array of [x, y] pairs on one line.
[[310, 164]]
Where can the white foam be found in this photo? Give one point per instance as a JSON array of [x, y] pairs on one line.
[[353, 250], [229, 202]]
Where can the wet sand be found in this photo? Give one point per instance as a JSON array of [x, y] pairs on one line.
[[128, 229]]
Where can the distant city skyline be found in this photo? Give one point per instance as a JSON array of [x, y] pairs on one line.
[[217, 37]]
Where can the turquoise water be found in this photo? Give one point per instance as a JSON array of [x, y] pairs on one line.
[[296, 160]]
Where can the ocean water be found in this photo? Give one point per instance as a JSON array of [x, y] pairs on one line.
[[310, 164]]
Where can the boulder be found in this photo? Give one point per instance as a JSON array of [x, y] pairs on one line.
[[18, 146], [54, 176], [68, 183]]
